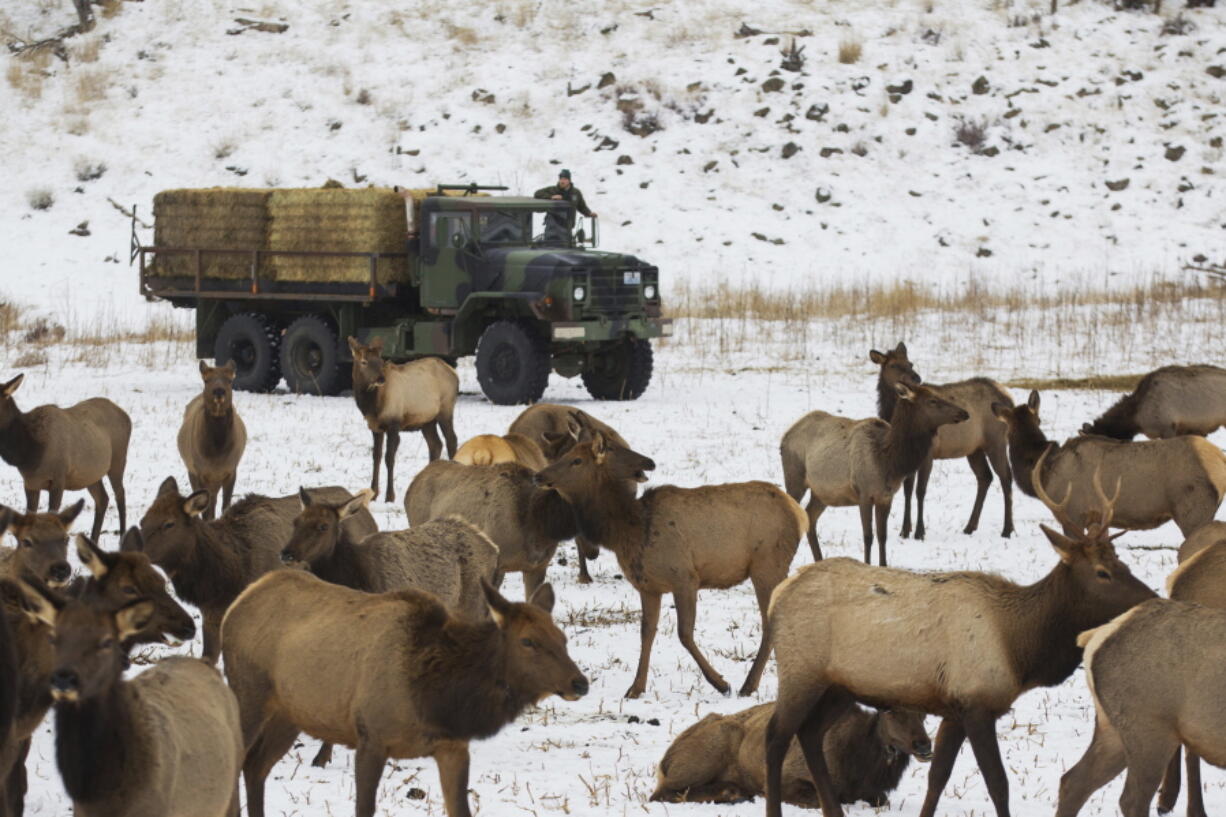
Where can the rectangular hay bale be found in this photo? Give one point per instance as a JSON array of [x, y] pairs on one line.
[[212, 218]]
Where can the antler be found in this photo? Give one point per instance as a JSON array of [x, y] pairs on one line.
[[1059, 511], [1108, 505]]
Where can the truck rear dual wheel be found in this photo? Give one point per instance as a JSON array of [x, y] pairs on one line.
[[512, 363], [251, 341], [622, 373], [310, 357]]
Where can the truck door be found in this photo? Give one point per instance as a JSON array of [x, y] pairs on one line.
[[444, 280]]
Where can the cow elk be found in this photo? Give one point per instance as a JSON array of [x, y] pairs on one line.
[[680, 540], [166, 742], [1181, 479], [392, 675], [722, 758], [57, 449], [395, 397], [1167, 402], [42, 544], [962, 646], [981, 439], [1208, 534], [212, 437], [211, 561], [491, 449], [842, 462]]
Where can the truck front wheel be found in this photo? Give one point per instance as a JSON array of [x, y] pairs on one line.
[[621, 373], [310, 357], [250, 340], [512, 363]]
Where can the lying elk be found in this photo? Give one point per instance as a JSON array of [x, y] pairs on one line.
[[395, 397], [42, 544], [1167, 402], [981, 440], [57, 449], [210, 562], [392, 675], [721, 759], [1143, 715], [166, 742], [842, 462], [680, 540], [212, 437], [962, 646], [491, 449], [1183, 478], [1201, 538]]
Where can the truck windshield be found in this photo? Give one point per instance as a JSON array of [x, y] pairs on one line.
[[551, 225]]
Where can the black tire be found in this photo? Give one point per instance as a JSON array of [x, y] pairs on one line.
[[251, 341], [310, 357], [512, 363], [622, 373]]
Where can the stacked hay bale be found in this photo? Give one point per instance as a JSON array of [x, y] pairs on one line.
[[336, 220], [220, 218]]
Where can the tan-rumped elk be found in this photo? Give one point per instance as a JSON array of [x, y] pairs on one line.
[[396, 397], [525, 521], [1208, 534], [722, 758], [393, 675], [213, 437], [1167, 402], [1156, 674], [981, 439], [842, 462], [67, 449], [211, 561], [1181, 479], [166, 742], [491, 449], [680, 540], [42, 544], [962, 646]]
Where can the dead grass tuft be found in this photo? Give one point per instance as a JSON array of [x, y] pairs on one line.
[[1106, 382], [88, 51], [461, 35], [111, 8], [29, 360], [90, 85], [850, 51]]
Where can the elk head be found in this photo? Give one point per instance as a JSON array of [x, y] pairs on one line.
[[537, 661], [580, 471], [902, 731], [367, 363], [895, 367], [122, 578], [166, 528], [42, 542], [218, 388], [317, 528]]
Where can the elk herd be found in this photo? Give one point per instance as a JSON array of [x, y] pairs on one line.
[[400, 643]]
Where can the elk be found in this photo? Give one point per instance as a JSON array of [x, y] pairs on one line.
[[210, 562], [490, 449], [680, 540], [1181, 479], [962, 646], [842, 462], [525, 521], [395, 397], [166, 742], [212, 437], [10, 669], [1143, 716], [721, 759], [1167, 402], [1208, 534], [401, 676], [981, 440], [57, 449], [42, 544]]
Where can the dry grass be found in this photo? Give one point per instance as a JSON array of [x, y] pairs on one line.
[[90, 85], [461, 35], [26, 76], [1106, 382], [110, 8], [88, 51], [850, 51]]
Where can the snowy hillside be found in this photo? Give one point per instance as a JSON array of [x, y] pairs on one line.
[[968, 140]]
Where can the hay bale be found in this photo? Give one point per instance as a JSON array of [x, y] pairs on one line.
[[336, 220], [214, 218]]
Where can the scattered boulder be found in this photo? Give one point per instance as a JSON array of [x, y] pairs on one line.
[[624, 160], [980, 86], [773, 85], [1174, 153], [606, 79], [790, 150], [1118, 186]]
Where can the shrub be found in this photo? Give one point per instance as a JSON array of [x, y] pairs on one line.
[[40, 198], [87, 170], [850, 51]]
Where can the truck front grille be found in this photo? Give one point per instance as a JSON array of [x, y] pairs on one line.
[[611, 295]]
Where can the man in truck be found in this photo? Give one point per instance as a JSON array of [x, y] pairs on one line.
[[565, 191]]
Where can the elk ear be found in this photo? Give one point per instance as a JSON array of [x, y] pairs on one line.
[[876, 357], [904, 391], [168, 486], [500, 608], [376, 346], [304, 497], [574, 425], [132, 619], [1002, 412], [543, 597], [354, 346], [204, 369], [1033, 401], [356, 504], [1065, 547], [195, 503], [901, 349], [40, 603], [132, 542], [229, 370], [599, 449], [552, 438], [90, 556], [6, 518], [8, 388], [71, 512]]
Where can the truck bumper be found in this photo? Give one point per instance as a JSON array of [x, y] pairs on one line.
[[612, 329]]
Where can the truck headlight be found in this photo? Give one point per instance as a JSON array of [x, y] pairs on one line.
[[579, 294], [649, 292]]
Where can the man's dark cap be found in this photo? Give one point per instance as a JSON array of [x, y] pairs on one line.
[[564, 174]]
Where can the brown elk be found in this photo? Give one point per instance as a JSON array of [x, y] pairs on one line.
[[42, 544], [1208, 534], [491, 449], [981, 439], [962, 646], [722, 758], [57, 449], [842, 462], [401, 677], [680, 540], [1183, 478], [210, 562], [212, 437], [525, 521], [10, 671], [166, 742], [1143, 715], [1167, 402], [395, 397]]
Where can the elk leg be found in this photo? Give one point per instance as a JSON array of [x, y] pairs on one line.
[[323, 757], [533, 579], [368, 763], [983, 479], [921, 491], [1168, 793], [499, 575], [452, 764], [908, 485], [446, 422], [814, 510], [273, 741], [883, 520], [998, 456], [101, 500], [198, 484], [981, 729], [31, 501], [376, 451], [866, 527], [1147, 761], [1102, 761], [584, 576], [1196, 797], [811, 735], [55, 495], [686, 599], [121, 502], [15, 784], [227, 489], [393, 443], [950, 735], [433, 444], [647, 631], [762, 588], [791, 710], [211, 636]]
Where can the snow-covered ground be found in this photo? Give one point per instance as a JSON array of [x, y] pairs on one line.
[[708, 417]]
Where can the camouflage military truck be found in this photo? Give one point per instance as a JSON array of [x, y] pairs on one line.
[[279, 279]]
